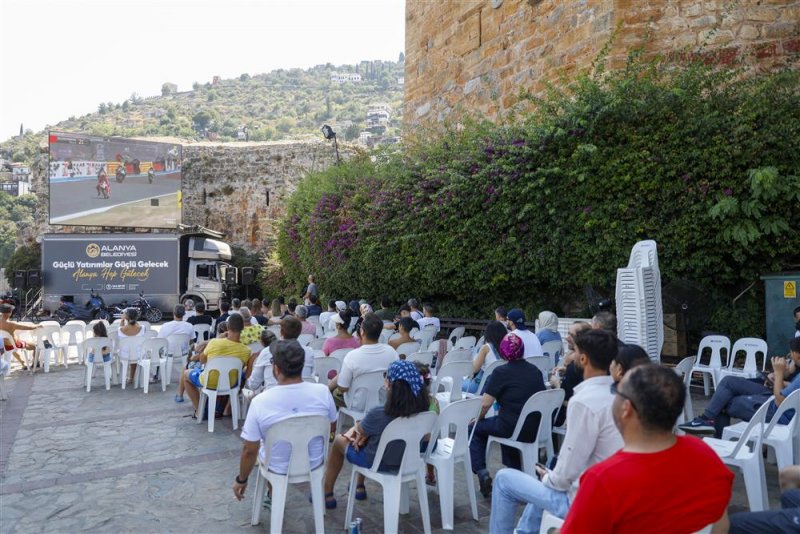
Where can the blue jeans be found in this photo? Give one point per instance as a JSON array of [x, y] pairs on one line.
[[735, 397], [511, 488]]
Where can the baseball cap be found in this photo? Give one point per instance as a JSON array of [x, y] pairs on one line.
[[517, 317]]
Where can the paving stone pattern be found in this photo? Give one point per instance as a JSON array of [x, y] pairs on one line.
[[122, 461]]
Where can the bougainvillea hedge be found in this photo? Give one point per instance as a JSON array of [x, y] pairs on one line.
[[529, 211]]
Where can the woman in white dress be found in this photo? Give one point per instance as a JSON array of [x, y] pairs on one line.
[[488, 353]]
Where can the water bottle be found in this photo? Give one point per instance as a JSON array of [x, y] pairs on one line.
[[358, 524], [353, 528]]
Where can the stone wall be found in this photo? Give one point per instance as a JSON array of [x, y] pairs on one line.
[[466, 55], [224, 188]]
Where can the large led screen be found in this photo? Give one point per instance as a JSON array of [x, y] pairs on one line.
[[111, 181]]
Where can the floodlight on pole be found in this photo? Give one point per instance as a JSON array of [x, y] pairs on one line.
[[328, 133]]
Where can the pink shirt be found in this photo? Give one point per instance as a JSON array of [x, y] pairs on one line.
[[333, 344], [309, 328]]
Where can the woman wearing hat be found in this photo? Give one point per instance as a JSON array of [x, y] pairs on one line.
[[510, 386], [406, 395]]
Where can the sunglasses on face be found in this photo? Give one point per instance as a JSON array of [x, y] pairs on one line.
[[615, 391]]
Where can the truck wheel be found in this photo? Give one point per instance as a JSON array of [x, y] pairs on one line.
[[153, 315]]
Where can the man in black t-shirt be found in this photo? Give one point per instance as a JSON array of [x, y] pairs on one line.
[[201, 317]]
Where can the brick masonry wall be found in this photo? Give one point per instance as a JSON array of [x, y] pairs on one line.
[[224, 188], [466, 55]]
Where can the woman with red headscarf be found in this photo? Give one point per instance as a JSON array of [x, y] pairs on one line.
[[510, 386]]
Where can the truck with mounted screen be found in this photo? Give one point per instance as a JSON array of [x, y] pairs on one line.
[[167, 267]]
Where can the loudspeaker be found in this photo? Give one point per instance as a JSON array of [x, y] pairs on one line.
[[34, 278], [19, 279], [230, 275], [248, 276]]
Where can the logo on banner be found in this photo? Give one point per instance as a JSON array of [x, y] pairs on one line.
[[92, 250]]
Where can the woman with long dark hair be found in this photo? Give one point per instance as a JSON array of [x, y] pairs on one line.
[[488, 353], [406, 395]]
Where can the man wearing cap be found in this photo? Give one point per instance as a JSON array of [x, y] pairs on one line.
[[11, 327], [516, 324]]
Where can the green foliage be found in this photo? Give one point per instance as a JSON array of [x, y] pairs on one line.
[[16, 211], [528, 211]]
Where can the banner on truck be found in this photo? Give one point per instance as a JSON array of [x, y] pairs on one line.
[[106, 265]]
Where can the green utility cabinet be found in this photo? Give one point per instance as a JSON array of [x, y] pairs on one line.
[[781, 296]]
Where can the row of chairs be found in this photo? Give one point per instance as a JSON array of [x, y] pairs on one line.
[[719, 347]]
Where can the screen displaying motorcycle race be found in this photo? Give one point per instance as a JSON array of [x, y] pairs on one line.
[[111, 181]]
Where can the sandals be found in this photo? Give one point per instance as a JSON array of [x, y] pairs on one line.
[[179, 399], [361, 493], [330, 501]]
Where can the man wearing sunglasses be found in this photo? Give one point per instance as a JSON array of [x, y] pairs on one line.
[[658, 482]]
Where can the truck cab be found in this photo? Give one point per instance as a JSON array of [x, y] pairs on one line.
[[205, 270]]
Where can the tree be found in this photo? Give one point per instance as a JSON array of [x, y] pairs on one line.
[[352, 132], [126, 105], [402, 58], [24, 258], [244, 77], [168, 88], [202, 119], [102, 108], [196, 86]]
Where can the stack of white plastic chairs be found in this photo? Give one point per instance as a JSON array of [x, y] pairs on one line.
[[640, 315]]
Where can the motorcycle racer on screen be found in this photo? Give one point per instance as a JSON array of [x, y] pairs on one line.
[[103, 186]]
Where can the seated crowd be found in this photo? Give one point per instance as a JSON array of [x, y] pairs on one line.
[[621, 467]]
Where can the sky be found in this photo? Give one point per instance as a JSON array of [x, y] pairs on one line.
[[63, 57]]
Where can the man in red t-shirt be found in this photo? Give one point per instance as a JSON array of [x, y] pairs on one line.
[[658, 482]]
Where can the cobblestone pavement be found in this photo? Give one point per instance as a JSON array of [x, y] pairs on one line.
[[122, 461]]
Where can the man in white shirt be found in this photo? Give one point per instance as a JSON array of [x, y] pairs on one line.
[[515, 322], [177, 325], [591, 437], [415, 313], [370, 356], [291, 397], [428, 319], [325, 317]]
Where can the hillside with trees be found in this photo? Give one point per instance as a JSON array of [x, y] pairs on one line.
[[282, 104]]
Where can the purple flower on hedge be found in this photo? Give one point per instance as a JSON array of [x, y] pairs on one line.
[[587, 209], [518, 142], [685, 178], [728, 191]]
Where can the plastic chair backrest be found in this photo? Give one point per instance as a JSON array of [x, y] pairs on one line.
[[544, 363], [545, 402], [487, 372], [456, 372], [95, 346], [684, 367], [49, 323], [179, 344], [146, 325], [754, 430], [426, 335], [751, 346], [49, 332], [458, 355], [313, 319], [456, 414], [318, 343], [792, 402], [365, 391], [425, 357], [340, 354], [408, 348], [716, 344], [409, 430], [385, 335], [325, 364], [553, 350], [74, 332], [132, 344], [224, 366], [466, 342], [255, 347], [305, 339], [275, 329], [298, 433], [155, 348], [456, 334], [201, 331]]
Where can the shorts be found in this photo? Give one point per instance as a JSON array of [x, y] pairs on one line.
[[194, 377], [19, 345], [358, 457]]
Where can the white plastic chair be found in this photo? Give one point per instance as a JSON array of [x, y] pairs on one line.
[[426, 335], [178, 346], [362, 395], [450, 377], [51, 334], [133, 347], [487, 372], [90, 326], [275, 329], [749, 461], [408, 348], [223, 366], [456, 334], [385, 335], [94, 345], [73, 334], [784, 439], [305, 339], [5, 338], [552, 349], [545, 403], [340, 354], [409, 430], [549, 521], [325, 364], [318, 343], [202, 332], [451, 450], [716, 344], [458, 355], [425, 357], [154, 354], [751, 346], [298, 432], [544, 363], [684, 370], [434, 346], [466, 342]]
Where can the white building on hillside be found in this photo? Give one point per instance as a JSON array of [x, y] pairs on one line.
[[345, 77]]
